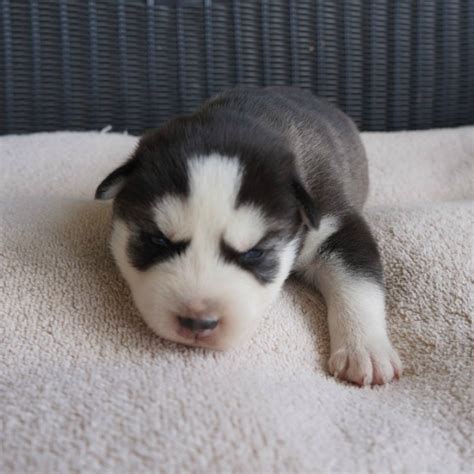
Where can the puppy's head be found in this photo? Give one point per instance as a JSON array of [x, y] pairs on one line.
[[205, 234]]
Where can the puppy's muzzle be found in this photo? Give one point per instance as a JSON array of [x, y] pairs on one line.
[[200, 327]]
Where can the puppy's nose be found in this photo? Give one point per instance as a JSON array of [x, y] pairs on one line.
[[198, 325]]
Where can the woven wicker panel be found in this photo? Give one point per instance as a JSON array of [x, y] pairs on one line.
[[85, 64]]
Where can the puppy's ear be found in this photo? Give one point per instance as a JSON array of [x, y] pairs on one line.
[[308, 209], [115, 181]]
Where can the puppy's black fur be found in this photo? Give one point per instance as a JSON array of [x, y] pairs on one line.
[[302, 159]]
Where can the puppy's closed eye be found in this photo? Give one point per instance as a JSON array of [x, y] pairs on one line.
[[158, 239], [262, 263], [149, 248], [253, 255]]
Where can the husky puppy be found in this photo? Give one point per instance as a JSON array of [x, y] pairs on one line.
[[214, 210]]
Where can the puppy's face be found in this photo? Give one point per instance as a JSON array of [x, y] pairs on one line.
[[205, 241]]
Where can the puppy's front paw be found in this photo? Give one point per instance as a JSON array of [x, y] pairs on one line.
[[370, 363]]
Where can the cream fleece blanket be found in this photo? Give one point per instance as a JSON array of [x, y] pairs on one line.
[[86, 387]]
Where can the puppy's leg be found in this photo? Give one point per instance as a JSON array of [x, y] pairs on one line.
[[348, 272]]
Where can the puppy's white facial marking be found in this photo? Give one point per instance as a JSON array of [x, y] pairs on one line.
[[201, 275], [314, 239], [246, 228], [361, 351], [172, 218], [214, 183]]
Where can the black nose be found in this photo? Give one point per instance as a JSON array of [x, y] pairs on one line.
[[197, 325]]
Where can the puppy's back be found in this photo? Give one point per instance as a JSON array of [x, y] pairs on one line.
[[330, 157]]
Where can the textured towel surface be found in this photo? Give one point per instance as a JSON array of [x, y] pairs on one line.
[[86, 387]]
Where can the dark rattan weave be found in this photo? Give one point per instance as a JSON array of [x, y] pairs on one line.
[[85, 64]]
